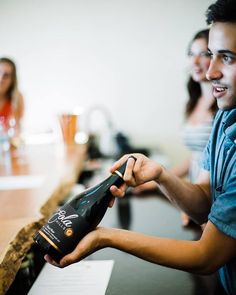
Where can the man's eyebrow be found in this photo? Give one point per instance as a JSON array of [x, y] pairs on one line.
[[225, 51]]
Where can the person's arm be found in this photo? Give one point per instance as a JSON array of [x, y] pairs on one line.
[[205, 256], [194, 199]]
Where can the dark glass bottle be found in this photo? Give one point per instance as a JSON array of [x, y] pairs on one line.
[[60, 235]]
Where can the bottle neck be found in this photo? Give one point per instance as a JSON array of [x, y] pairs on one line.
[[118, 173], [114, 179]]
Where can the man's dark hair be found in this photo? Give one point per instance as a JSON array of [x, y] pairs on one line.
[[221, 11]]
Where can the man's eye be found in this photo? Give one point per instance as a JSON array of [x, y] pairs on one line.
[[227, 59]]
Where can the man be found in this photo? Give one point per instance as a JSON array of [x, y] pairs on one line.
[[213, 198]]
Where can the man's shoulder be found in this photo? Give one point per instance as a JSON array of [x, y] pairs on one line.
[[224, 119]]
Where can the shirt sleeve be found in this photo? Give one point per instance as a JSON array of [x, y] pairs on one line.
[[205, 161], [223, 210]]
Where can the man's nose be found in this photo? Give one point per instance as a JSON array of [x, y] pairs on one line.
[[214, 71]]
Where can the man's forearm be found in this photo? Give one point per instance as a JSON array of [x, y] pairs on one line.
[[183, 255], [194, 199]]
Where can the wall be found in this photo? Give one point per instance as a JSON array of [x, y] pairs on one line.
[[128, 55]]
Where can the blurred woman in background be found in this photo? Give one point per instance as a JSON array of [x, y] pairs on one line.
[[11, 100], [200, 110]]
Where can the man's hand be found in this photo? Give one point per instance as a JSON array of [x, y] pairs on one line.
[[137, 172], [92, 242]]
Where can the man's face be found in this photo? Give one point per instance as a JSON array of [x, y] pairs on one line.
[[222, 70]]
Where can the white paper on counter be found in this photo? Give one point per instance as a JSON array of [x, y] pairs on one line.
[[88, 277], [21, 182]]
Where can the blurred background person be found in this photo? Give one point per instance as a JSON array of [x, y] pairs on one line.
[[200, 110], [11, 100]]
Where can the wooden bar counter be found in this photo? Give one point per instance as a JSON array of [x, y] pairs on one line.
[[23, 211]]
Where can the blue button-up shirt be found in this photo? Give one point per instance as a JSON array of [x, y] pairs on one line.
[[220, 159]]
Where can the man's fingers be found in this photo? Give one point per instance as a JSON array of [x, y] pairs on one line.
[[118, 192], [111, 203], [51, 261], [118, 163]]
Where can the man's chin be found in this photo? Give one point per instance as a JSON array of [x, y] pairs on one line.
[[225, 106]]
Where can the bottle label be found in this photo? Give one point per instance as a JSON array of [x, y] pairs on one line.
[[64, 229]]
